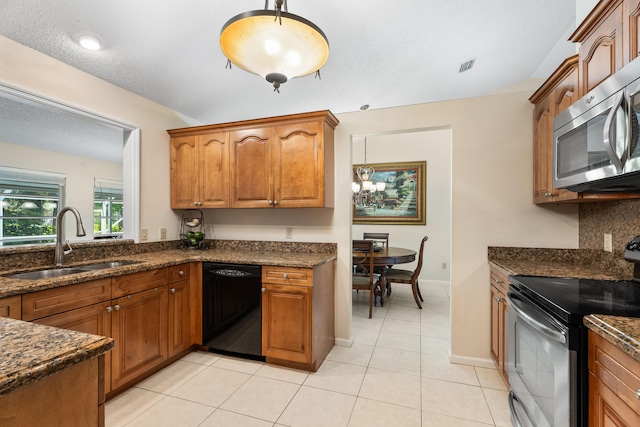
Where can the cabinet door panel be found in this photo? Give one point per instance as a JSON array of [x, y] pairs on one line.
[[213, 158], [299, 165], [140, 327], [94, 319], [606, 409], [11, 307], [251, 168], [631, 28], [286, 314], [184, 175], [601, 52], [179, 317]]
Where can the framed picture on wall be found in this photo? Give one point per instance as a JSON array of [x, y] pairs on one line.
[[393, 194]]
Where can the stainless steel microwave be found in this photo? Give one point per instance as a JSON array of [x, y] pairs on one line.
[[596, 140]]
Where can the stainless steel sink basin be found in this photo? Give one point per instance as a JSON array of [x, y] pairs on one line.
[[48, 274], [103, 265], [57, 272]]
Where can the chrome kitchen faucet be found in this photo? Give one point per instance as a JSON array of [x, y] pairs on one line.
[[60, 252]]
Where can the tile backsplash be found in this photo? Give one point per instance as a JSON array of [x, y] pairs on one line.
[[621, 219]]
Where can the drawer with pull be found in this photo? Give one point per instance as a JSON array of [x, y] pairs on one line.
[[287, 275], [179, 272]]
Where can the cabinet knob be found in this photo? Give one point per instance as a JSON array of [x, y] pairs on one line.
[[181, 273], [498, 281], [263, 290], [109, 309], [173, 290], [638, 394], [116, 307], [285, 276], [275, 202], [270, 202]]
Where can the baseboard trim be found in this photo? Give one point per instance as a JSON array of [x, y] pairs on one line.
[[472, 361], [344, 343]]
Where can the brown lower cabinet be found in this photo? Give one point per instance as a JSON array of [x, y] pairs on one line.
[[148, 326], [298, 315], [70, 398], [499, 307], [614, 385], [139, 328]]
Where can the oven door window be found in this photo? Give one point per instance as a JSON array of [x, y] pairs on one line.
[[535, 367], [543, 367]]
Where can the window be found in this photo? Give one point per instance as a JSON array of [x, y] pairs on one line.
[[107, 209], [29, 202]]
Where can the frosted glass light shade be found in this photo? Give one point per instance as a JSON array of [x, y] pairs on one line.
[[258, 43]]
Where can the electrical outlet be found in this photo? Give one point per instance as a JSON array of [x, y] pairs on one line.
[[444, 265], [144, 234], [608, 243], [289, 233], [163, 233]]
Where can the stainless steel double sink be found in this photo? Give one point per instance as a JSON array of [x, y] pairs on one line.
[[65, 271]]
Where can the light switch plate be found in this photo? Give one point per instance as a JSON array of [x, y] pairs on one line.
[[163, 233], [289, 233], [144, 234]]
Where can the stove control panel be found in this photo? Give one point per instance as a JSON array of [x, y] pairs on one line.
[[632, 250]]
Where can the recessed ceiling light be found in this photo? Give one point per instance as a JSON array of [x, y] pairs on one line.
[[88, 40]]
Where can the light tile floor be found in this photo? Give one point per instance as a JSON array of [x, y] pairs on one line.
[[396, 374]]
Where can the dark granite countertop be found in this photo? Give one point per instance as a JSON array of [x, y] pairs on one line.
[[579, 263], [30, 352], [148, 261], [623, 332]]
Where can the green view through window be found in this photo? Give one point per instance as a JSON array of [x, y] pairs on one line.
[[107, 209], [29, 203]]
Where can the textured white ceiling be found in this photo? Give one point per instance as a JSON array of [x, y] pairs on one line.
[[383, 53]]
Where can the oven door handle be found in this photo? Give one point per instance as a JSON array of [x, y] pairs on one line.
[[516, 305], [513, 399]]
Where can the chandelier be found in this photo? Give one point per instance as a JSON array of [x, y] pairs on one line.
[[274, 44], [366, 193]]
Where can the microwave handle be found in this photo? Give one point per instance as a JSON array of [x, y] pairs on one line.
[[609, 141]]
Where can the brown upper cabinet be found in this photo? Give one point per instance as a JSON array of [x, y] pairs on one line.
[[279, 162], [608, 40], [602, 43], [200, 171]]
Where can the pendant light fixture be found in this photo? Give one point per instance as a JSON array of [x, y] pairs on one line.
[[274, 44], [367, 193]]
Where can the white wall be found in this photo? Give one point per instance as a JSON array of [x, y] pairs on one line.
[[31, 71], [80, 173], [434, 147], [491, 195], [491, 182]]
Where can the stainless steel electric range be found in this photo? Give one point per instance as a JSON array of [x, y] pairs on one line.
[[547, 342]]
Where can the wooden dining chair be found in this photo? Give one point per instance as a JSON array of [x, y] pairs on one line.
[[366, 279], [377, 237], [409, 277]]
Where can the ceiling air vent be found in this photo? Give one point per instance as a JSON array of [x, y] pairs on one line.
[[466, 66]]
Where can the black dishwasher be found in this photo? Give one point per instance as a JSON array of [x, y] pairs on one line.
[[231, 309]]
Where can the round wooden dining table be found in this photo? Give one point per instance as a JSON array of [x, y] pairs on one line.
[[386, 258]]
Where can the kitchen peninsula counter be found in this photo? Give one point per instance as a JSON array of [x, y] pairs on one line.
[[258, 253], [30, 352]]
